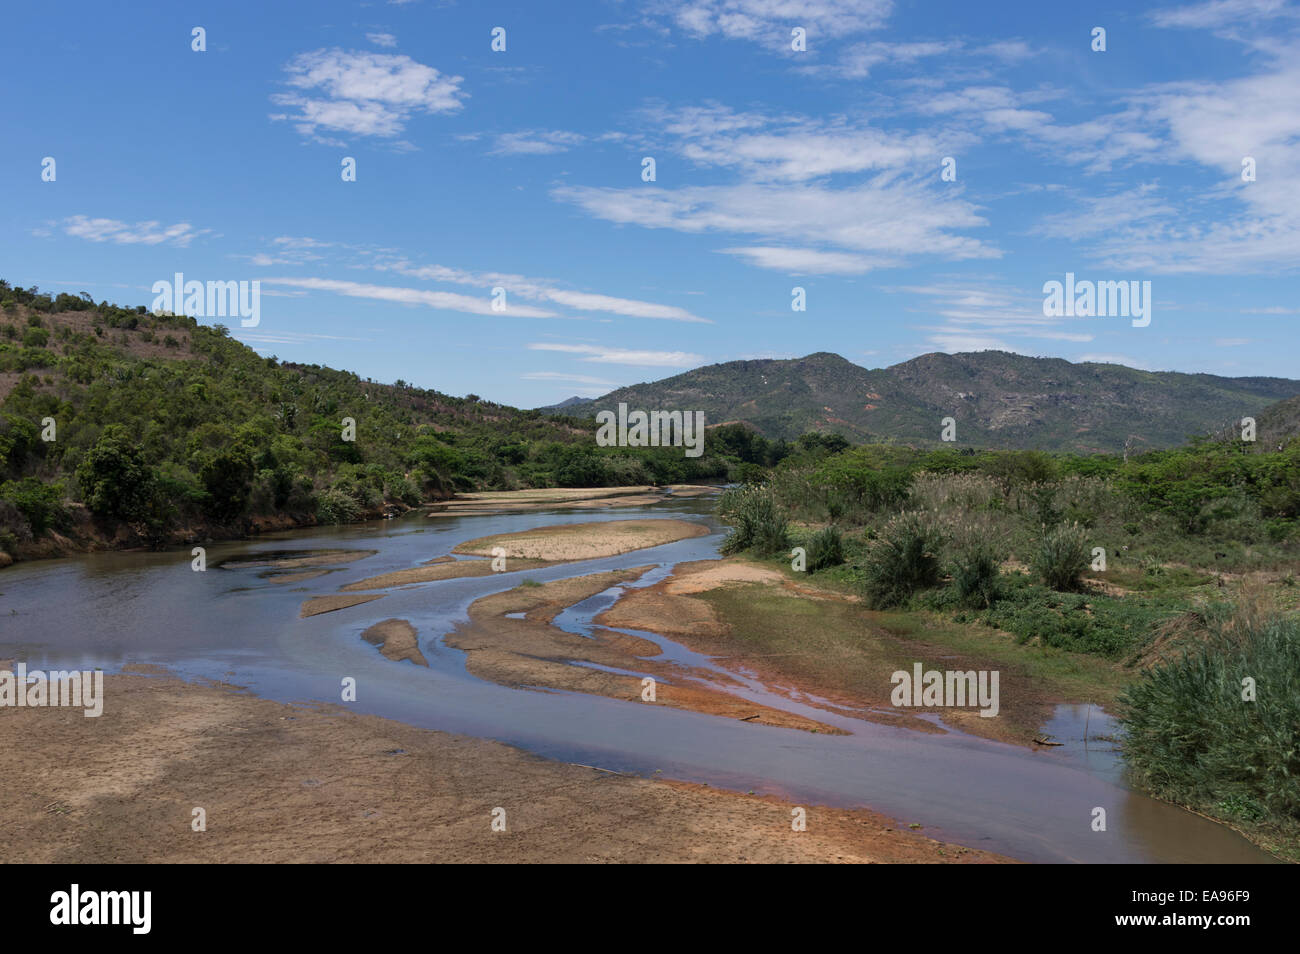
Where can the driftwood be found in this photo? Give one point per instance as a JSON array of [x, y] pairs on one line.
[[1045, 742]]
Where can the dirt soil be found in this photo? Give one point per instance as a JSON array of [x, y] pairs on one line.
[[280, 783], [397, 640]]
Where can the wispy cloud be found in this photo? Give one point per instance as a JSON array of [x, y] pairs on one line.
[[540, 289], [126, 233], [604, 355], [444, 301]]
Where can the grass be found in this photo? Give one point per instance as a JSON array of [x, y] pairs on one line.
[[846, 648], [1196, 735]]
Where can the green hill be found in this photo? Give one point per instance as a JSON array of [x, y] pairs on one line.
[[119, 427], [999, 400]]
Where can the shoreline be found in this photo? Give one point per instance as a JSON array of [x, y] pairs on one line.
[[86, 537], [323, 784]]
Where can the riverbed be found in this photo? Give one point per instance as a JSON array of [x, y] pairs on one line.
[[237, 625]]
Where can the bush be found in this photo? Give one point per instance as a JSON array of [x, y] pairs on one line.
[[403, 489], [974, 571], [1062, 557], [825, 549], [334, 506], [903, 560], [1192, 738], [758, 523], [40, 503]]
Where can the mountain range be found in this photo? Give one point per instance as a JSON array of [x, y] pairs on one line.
[[997, 399]]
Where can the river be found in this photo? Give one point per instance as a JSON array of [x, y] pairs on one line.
[[110, 610]]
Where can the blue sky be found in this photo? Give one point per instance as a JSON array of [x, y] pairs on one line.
[[775, 168]]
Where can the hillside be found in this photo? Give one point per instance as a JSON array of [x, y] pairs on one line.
[[999, 400], [120, 428], [1277, 424]]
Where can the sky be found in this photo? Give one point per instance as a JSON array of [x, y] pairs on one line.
[[775, 168]]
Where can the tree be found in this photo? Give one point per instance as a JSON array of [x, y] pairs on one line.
[[114, 479]]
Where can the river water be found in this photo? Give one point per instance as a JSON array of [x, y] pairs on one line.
[[110, 610]]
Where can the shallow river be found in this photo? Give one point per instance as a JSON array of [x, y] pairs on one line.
[[114, 609]]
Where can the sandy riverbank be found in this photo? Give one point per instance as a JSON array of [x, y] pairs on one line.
[[282, 783], [510, 640], [525, 550]]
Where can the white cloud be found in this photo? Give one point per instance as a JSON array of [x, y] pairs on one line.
[[364, 94], [885, 215], [536, 142], [788, 148], [1219, 13], [540, 289], [770, 21], [1107, 214], [125, 233], [788, 192], [446, 301], [808, 261], [382, 39], [980, 316], [603, 355]]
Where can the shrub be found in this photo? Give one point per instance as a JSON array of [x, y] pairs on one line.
[[403, 489], [1062, 557], [334, 506], [903, 560], [758, 524], [40, 503], [974, 571], [825, 549]]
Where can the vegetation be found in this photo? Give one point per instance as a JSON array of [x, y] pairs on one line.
[[758, 524], [958, 542], [904, 560], [1062, 557], [163, 424], [1218, 727]]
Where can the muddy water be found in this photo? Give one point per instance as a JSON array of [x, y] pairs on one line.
[[236, 625]]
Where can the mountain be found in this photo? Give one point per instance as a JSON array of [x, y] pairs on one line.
[[1277, 424], [998, 400], [567, 406]]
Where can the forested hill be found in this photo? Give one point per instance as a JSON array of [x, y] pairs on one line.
[[998, 400], [163, 427]]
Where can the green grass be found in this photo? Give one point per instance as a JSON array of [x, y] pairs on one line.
[[1192, 738]]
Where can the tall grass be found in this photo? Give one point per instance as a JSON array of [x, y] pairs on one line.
[[758, 523], [1192, 738], [825, 549], [903, 560], [1062, 557]]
